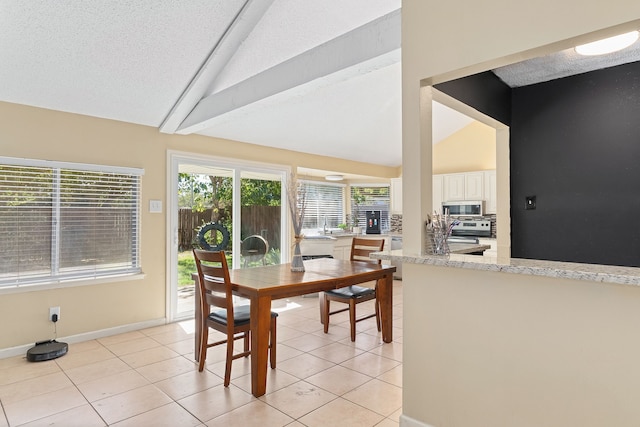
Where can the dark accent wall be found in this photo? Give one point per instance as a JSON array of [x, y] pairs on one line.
[[575, 146], [484, 91]]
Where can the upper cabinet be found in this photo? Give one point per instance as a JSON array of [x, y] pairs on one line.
[[477, 185], [453, 187], [474, 186], [463, 186], [396, 195], [490, 192], [438, 195]]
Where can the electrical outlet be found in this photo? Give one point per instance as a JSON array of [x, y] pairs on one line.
[[52, 311]]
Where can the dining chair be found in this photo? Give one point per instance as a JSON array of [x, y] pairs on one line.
[[220, 313], [352, 295]]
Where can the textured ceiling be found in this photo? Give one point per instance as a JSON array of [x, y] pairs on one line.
[[315, 77], [563, 64]]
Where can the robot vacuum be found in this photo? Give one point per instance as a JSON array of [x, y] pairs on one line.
[[47, 350]]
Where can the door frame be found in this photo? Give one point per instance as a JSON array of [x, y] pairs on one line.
[[174, 160]]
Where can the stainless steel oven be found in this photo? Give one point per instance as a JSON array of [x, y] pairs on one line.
[[472, 227]]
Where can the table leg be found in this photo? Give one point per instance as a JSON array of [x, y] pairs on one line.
[[385, 299], [260, 327], [322, 307]]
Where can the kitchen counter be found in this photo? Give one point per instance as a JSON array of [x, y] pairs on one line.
[[566, 270], [467, 248]]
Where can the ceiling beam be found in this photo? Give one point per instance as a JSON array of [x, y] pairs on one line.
[[371, 45], [239, 29]]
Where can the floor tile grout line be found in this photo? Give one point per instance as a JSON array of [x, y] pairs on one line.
[[317, 333]]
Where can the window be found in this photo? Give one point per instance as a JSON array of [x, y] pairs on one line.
[[324, 206], [62, 221], [372, 198]]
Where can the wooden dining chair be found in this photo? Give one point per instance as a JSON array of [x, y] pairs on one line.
[[219, 312], [352, 295]]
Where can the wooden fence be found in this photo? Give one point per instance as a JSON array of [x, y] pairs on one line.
[[261, 220]]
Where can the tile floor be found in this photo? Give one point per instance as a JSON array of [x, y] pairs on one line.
[[149, 378]]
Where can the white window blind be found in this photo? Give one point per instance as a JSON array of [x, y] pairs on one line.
[[376, 198], [324, 206], [61, 221]]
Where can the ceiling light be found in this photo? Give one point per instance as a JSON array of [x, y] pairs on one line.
[[612, 44], [334, 177]]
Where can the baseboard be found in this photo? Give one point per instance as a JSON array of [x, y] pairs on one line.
[[87, 336], [410, 422]]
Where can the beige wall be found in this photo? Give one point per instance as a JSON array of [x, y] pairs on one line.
[[484, 367], [472, 148], [503, 350], [44, 134]]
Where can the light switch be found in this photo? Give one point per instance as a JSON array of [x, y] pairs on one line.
[[155, 206], [530, 202]]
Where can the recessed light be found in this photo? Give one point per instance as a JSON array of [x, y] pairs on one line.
[[334, 177], [609, 45]]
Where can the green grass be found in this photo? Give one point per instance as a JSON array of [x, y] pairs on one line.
[[186, 266]]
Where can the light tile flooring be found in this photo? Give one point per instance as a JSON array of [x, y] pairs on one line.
[[149, 378]]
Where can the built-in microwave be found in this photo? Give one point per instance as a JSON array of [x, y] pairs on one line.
[[463, 208]]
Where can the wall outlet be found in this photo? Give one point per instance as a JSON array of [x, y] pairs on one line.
[[52, 311]]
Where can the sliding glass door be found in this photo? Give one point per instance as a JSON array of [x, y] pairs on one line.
[[218, 204]]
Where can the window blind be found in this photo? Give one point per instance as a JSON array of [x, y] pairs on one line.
[[324, 206], [59, 223]]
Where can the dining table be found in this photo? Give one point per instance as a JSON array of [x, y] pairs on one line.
[[263, 284]]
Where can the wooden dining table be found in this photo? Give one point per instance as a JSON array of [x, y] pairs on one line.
[[263, 284]]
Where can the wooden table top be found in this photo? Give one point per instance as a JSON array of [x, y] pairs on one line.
[[278, 281]]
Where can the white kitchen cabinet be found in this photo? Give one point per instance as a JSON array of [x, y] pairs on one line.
[[474, 186], [438, 195], [342, 248], [477, 185], [490, 192], [453, 187], [396, 195]]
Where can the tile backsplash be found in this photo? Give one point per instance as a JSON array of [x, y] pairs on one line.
[[395, 223]]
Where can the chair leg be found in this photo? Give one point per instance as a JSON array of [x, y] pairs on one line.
[[246, 343], [204, 338], [377, 305], [227, 368], [273, 344], [352, 318]]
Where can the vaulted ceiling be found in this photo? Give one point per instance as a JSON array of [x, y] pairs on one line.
[[320, 77], [316, 77]]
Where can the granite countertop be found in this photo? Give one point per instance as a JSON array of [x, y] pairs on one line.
[[567, 270], [467, 248]]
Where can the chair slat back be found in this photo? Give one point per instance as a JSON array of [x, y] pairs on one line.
[[213, 275], [362, 248]]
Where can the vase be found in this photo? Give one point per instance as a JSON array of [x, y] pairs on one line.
[[436, 243], [440, 244], [297, 264]]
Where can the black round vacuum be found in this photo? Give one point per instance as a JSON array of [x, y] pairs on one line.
[[47, 350]]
